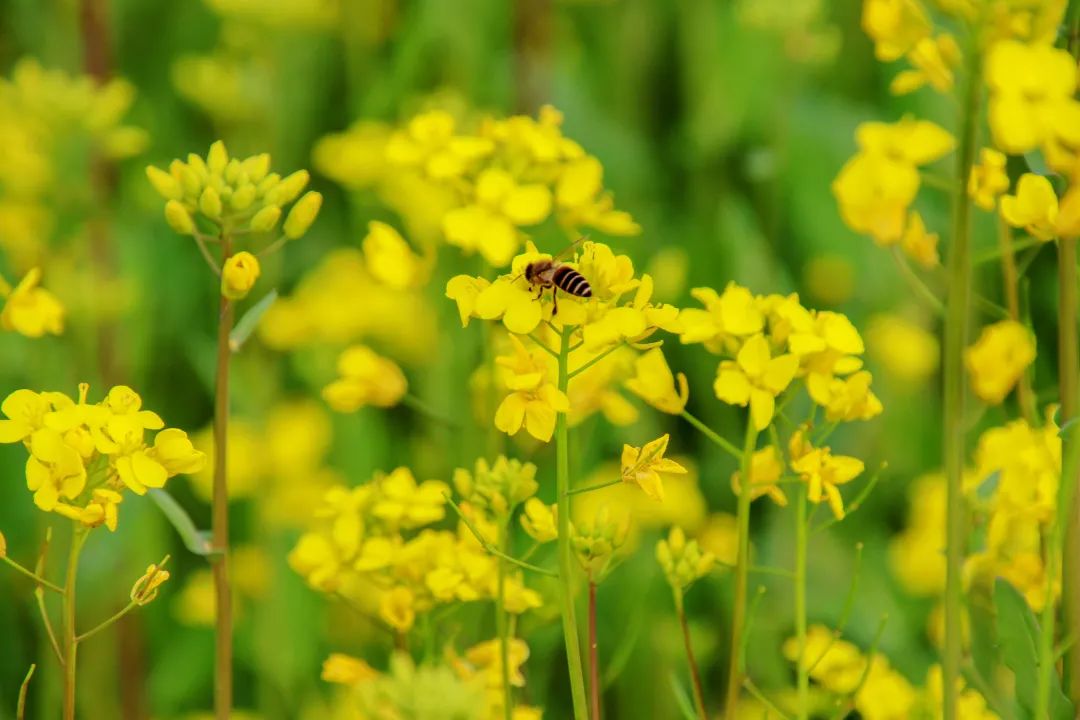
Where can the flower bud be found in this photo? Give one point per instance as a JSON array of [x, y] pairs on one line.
[[232, 171], [239, 275], [683, 561], [210, 203], [179, 218], [166, 185], [242, 197], [265, 219], [267, 184], [189, 179], [217, 158], [256, 166], [289, 188], [302, 215], [145, 588]]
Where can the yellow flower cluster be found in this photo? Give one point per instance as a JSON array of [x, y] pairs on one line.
[[29, 309], [83, 456], [771, 341], [872, 686], [234, 195], [876, 188], [375, 540], [683, 561], [366, 379], [998, 359]]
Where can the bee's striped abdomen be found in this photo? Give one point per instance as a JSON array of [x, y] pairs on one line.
[[570, 281]]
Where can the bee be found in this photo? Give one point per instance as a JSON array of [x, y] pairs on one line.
[[543, 274]]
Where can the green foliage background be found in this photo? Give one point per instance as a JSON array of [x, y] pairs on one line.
[[712, 135]]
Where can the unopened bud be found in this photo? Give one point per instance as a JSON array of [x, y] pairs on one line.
[[266, 219], [302, 215], [166, 185], [210, 203], [239, 275], [217, 158], [179, 218], [145, 588]]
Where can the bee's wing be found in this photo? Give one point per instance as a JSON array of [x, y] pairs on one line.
[[569, 248]]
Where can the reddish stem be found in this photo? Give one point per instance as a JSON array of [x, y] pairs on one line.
[[594, 657]]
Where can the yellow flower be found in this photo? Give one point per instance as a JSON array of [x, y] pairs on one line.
[[988, 179], [486, 657], [402, 502], [581, 200], [998, 359], [175, 452], [911, 141], [905, 349], [490, 224], [533, 401], [734, 314], [146, 587], [346, 670], [755, 378], [302, 215], [397, 608], [55, 470], [840, 666], [874, 193], [428, 144], [1034, 207], [101, 510], [389, 258], [823, 471], [464, 290], [239, 274], [654, 383], [31, 310], [538, 520], [682, 561], [1030, 87], [632, 322], [26, 411], [766, 469], [366, 379], [844, 399], [920, 245], [917, 554], [895, 26], [970, 705], [935, 60], [643, 466], [512, 299]]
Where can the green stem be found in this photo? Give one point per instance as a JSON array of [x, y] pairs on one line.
[[742, 569], [916, 283], [708, 432], [70, 641], [421, 407], [490, 548], [20, 707], [596, 486], [98, 628], [219, 517], [695, 674], [502, 626], [803, 665], [574, 373], [594, 655], [754, 690], [957, 316], [32, 575], [1064, 550], [566, 556]]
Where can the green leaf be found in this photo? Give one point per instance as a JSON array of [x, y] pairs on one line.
[[682, 699], [197, 541], [1018, 634], [247, 324]]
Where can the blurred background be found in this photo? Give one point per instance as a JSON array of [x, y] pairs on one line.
[[720, 126]]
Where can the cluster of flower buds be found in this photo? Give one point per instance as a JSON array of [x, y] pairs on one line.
[[683, 561]]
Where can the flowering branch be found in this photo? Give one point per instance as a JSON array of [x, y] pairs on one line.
[[742, 566], [708, 432], [574, 373], [490, 548], [32, 575]]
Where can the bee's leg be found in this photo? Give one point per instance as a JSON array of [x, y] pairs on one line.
[[555, 301]]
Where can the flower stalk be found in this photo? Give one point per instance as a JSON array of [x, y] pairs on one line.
[[220, 510], [695, 673], [70, 637], [594, 656], [565, 551], [957, 316], [742, 570], [502, 626], [802, 667]]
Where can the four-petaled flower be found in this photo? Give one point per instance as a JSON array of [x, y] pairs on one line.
[[643, 466], [755, 378]]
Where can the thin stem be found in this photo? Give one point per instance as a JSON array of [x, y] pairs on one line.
[[596, 486], [566, 558], [695, 674], [708, 432], [849, 605], [1011, 281], [220, 511], [991, 255], [421, 407], [802, 666], [20, 707], [916, 283], [1064, 552], [501, 627], [957, 317], [869, 663], [543, 345], [761, 698], [857, 502], [49, 631], [200, 242], [32, 575], [594, 656], [742, 567], [70, 646], [95, 630], [574, 373], [490, 548], [273, 247]]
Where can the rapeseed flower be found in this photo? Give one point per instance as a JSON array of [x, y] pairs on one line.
[[766, 469], [366, 379], [644, 466], [654, 383], [29, 309], [988, 179], [534, 400], [997, 360], [755, 378], [824, 472], [346, 670], [1031, 86]]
